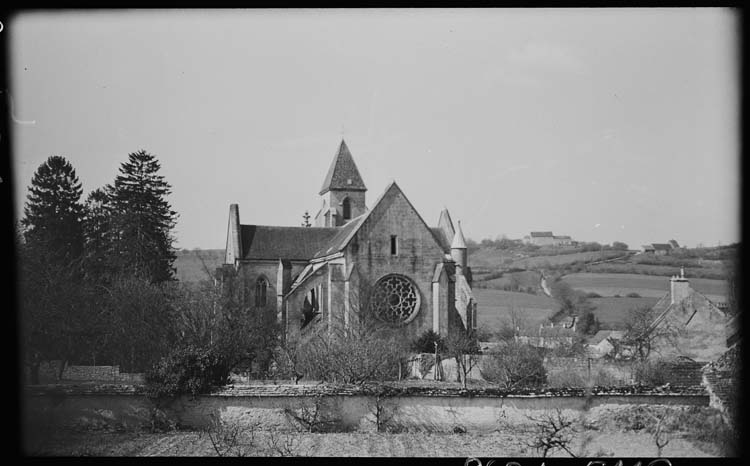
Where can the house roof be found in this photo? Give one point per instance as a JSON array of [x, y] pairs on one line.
[[292, 243], [661, 246], [562, 237], [674, 243], [343, 173], [536, 234]]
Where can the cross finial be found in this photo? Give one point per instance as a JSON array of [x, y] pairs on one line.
[[342, 131]]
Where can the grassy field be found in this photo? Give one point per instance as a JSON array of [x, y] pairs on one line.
[[494, 307], [648, 286], [612, 312], [613, 432], [525, 279], [487, 260], [660, 270], [563, 259]]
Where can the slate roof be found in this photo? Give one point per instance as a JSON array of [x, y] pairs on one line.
[[662, 246], [538, 234], [292, 243], [444, 243], [339, 240], [343, 173]]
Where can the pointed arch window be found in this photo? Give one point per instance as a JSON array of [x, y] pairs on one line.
[[261, 292], [347, 209]]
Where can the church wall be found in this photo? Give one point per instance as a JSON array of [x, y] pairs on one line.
[[417, 252], [248, 274], [295, 300]]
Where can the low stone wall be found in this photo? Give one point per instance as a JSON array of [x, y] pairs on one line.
[[48, 372], [340, 408]]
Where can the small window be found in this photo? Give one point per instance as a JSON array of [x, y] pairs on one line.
[[394, 245], [347, 208], [261, 291]]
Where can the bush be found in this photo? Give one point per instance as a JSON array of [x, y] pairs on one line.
[[649, 373], [633, 295], [189, 370], [425, 343], [591, 294], [588, 323], [515, 365]]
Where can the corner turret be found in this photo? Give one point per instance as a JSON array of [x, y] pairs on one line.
[[458, 249]]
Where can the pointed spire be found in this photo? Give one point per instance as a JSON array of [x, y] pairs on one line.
[[458, 239], [343, 173]]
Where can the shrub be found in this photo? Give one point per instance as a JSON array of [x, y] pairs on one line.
[[425, 343], [188, 370], [591, 294], [588, 323], [633, 295], [649, 373], [515, 365]]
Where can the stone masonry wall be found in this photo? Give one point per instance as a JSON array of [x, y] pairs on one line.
[[349, 408]]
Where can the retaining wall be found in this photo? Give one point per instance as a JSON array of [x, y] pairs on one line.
[[347, 408]]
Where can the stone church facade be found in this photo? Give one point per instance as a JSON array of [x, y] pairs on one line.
[[385, 261]]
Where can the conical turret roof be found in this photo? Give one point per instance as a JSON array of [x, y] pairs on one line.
[[343, 173], [458, 239]]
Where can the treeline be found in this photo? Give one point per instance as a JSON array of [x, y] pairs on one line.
[[96, 278], [530, 249]]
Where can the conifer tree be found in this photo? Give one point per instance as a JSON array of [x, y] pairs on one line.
[[142, 220], [53, 212], [97, 234]]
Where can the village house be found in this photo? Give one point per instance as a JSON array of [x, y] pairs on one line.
[[551, 336], [604, 343], [385, 261]]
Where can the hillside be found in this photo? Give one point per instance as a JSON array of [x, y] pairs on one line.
[[494, 307], [195, 265], [647, 286]]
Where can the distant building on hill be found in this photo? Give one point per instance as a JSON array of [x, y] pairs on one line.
[[563, 240], [660, 249], [546, 238]]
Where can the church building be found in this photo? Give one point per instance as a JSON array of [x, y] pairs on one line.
[[384, 260]]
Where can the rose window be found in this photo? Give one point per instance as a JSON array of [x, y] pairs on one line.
[[395, 299]]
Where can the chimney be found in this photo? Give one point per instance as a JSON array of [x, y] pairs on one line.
[[679, 287]]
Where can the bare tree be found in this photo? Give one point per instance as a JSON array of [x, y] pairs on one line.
[[643, 333], [367, 349], [230, 438], [314, 417], [552, 431], [464, 348]]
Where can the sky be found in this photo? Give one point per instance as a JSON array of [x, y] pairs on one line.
[[602, 124]]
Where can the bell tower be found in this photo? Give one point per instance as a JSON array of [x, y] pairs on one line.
[[343, 191]]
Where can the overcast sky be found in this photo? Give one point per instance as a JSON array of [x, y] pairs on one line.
[[604, 124]]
